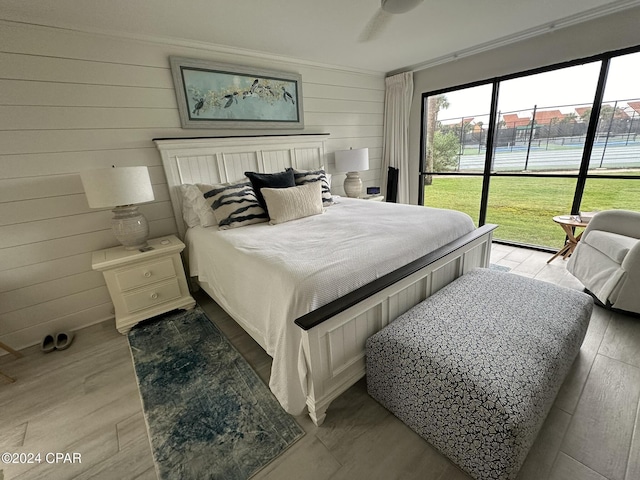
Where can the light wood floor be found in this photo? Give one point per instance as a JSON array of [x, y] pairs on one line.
[[85, 400]]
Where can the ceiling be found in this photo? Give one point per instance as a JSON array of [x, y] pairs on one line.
[[321, 31]]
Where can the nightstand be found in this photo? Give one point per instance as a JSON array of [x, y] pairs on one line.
[[375, 198], [144, 284]]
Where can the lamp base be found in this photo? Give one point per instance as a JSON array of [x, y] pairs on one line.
[[130, 227], [353, 185]]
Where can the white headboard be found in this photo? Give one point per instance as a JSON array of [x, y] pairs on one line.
[[220, 160]]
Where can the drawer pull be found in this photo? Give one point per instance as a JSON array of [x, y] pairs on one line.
[[147, 274], [154, 296]]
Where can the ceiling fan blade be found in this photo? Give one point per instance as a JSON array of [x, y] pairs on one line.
[[375, 26], [399, 6]]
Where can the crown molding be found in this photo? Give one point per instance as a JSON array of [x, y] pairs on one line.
[[565, 22]]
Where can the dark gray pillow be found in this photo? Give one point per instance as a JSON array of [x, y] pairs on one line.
[[284, 179]]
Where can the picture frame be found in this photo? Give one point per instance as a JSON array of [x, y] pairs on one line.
[[220, 95]]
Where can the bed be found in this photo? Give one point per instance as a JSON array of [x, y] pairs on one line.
[[312, 290]]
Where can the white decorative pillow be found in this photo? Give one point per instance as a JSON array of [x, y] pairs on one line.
[[285, 204], [235, 205], [205, 212], [195, 209], [192, 203], [302, 177]]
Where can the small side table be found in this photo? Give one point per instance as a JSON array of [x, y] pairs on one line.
[[568, 223], [144, 284]]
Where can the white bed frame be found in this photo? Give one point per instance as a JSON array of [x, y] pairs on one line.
[[333, 336]]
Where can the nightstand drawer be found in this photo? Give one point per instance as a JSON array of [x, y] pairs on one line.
[[145, 274], [149, 297]]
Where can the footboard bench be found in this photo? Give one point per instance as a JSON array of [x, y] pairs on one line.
[[475, 368]]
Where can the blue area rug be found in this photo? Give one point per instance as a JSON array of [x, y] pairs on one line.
[[208, 414], [499, 268]]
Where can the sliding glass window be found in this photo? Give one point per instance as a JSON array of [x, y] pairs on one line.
[[616, 147], [456, 129], [519, 150]]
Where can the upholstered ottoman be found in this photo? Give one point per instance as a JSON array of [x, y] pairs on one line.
[[475, 368]]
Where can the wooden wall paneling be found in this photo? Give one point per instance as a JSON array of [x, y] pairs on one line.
[[29, 117], [29, 254], [69, 162], [43, 141], [341, 77], [51, 228], [42, 208], [36, 93], [33, 198], [323, 105], [343, 118], [343, 93], [349, 131], [34, 274], [46, 141], [49, 290], [79, 319], [344, 143], [65, 70], [43, 251], [28, 188], [41, 312], [160, 191], [158, 228]]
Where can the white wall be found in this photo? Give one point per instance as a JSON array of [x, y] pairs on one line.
[[71, 101], [605, 34]]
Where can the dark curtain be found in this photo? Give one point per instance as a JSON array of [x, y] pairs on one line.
[[392, 185]]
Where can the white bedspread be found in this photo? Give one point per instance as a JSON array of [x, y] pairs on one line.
[[266, 276]]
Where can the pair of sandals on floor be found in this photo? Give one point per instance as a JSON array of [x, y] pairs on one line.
[[60, 341]]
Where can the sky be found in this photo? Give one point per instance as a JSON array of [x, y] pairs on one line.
[[569, 86]]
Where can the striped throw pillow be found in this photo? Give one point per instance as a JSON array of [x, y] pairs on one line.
[[303, 177], [236, 205]]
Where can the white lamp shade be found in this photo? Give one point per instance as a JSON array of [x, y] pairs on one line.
[[354, 160], [113, 187]]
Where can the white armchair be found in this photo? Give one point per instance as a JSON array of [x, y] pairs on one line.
[[607, 259]]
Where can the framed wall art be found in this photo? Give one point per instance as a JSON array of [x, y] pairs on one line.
[[219, 95]]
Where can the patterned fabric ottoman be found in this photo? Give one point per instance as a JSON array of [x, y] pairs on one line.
[[475, 368]]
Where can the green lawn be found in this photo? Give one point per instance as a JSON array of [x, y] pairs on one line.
[[523, 207]]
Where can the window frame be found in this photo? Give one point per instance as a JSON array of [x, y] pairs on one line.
[[583, 172]]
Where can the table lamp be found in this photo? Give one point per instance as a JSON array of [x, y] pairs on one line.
[[352, 161], [121, 188]]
